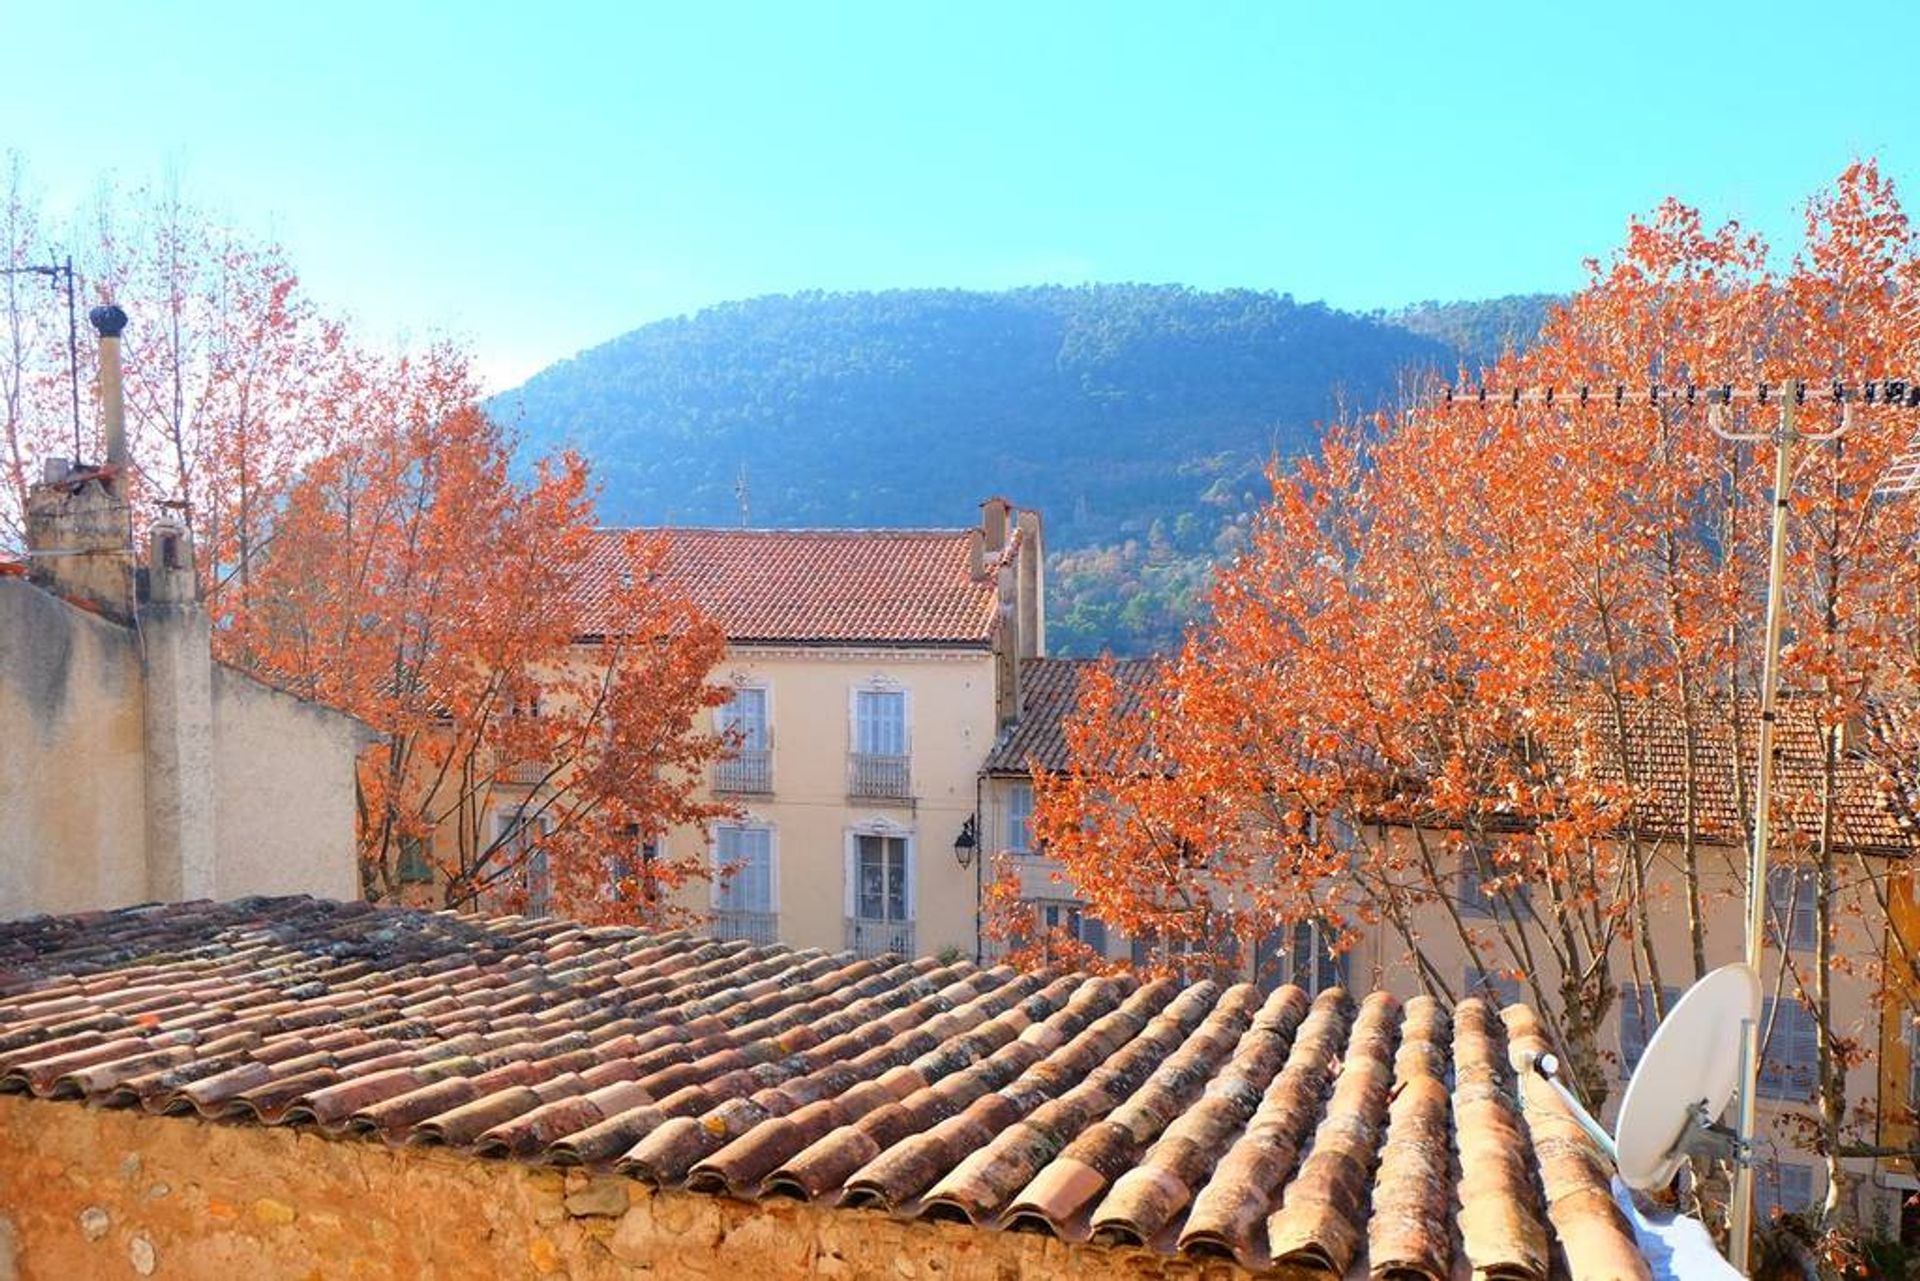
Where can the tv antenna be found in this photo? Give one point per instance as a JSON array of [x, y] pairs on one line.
[[740, 494], [55, 273], [1902, 476]]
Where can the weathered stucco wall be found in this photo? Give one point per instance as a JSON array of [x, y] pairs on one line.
[[77, 784], [72, 791], [91, 1193], [283, 792]]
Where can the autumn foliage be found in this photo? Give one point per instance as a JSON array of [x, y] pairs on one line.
[[366, 540], [1453, 617]]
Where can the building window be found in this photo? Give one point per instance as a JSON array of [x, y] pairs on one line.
[[1913, 1059], [743, 868], [1073, 919], [1476, 897], [631, 870], [880, 722], [1789, 1063], [880, 894], [1784, 1187], [1019, 818], [745, 715], [519, 836], [1215, 954], [1790, 895], [1638, 1019], [1496, 989], [747, 767], [880, 870], [878, 766], [1302, 954], [414, 867]]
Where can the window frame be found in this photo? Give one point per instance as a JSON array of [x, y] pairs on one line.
[[725, 719], [721, 888], [1078, 917], [891, 886], [415, 865], [880, 687], [1637, 1024], [1781, 1077], [1791, 894], [536, 867], [1024, 825], [1470, 892]]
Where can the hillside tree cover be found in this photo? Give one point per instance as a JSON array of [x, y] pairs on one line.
[[364, 540], [1109, 408], [1449, 620]]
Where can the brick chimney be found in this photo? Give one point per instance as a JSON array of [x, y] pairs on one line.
[[1030, 602], [994, 515], [79, 525]]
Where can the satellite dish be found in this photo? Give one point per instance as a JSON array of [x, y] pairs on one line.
[[1686, 1078]]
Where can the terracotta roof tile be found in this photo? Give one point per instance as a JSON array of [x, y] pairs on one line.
[[1049, 693], [1198, 1120], [1656, 754], [811, 586]]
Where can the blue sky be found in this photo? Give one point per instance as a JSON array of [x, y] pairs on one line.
[[538, 178]]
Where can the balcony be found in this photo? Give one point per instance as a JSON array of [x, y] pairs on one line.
[[759, 928], [867, 937], [748, 772], [521, 773], [880, 778]]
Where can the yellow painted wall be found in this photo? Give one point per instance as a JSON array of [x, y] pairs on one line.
[[1897, 1099], [950, 725]]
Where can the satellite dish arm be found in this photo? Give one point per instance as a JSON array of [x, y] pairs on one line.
[[1546, 1066]]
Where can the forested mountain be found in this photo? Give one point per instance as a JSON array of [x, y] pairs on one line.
[[1480, 331], [1136, 418]]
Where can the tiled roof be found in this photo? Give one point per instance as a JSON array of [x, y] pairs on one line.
[[1049, 693], [1657, 756], [825, 586], [1201, 1120]]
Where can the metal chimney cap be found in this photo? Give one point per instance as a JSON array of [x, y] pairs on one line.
[[107, 321]]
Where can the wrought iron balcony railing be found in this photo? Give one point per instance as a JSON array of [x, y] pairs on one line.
[[876, 777], [748, 772], [877, 938], [761, 928]]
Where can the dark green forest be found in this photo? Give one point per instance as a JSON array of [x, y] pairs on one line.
[[1136, 418]]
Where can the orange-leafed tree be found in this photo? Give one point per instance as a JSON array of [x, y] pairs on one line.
[[415, 581], [1422, 703]]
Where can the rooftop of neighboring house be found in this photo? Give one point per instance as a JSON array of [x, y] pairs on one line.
[[817, 586], [1199, 1120], [1049, 694], [1721, 785], [1871, 815]]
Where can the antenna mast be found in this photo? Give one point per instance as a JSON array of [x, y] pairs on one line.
[[1902, 476], [55, 272], [740, 495]]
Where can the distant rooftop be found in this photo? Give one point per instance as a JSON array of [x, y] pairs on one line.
[[1049, 694], [814, 586]]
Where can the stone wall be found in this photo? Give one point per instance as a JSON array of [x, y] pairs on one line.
[[86, 1192]]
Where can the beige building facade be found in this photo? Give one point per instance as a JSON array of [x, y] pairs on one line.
[[869, 672]]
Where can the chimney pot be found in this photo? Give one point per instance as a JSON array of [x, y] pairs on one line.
[[108, 321]]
